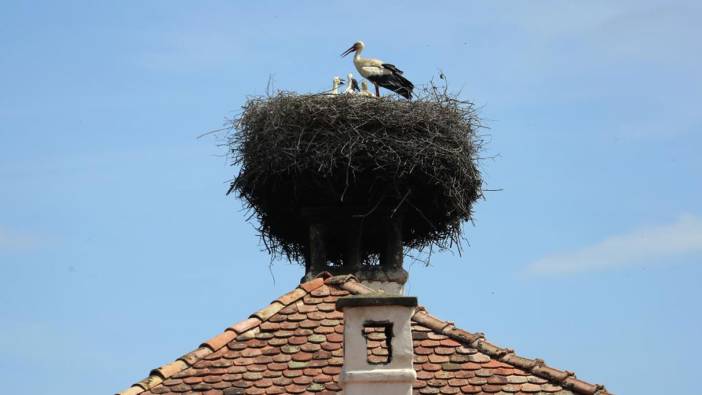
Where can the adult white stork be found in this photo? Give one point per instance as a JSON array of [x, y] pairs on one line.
[[380, 73], [352, 86], [364, 89]]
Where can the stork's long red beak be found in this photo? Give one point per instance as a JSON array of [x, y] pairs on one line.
[[348, 51]]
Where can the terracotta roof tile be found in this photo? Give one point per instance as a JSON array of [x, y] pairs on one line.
[[170, 369], [219, 341], [312, 284], [295, 346], [194, 356], [132, 391], [245, 325], [268, 311]]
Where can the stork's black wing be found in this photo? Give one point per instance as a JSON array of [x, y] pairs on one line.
[[392, 68], [394, 82]]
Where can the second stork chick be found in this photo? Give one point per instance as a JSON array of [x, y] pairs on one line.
[[352, 86], [364, 89]]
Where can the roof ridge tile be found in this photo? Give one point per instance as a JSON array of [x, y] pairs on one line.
[[462, 335], [424, 318], [520, 362], [243, 326], [195, 355], [169, 369], [340, 279], [292, 296], [490, 349], [552, 374], [323, 275], [220, 340], [268, 311], [250, 334], [133, 390], [313, 284], [149, 382], [582, 387], [356, 287]]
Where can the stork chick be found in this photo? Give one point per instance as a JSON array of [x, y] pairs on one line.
[[364, 89], [336, 82], [380, 73], [352, 86]]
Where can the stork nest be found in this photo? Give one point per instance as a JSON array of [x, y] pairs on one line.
[[379, 156]]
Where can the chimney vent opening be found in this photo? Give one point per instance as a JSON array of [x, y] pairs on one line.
[[378, 336]]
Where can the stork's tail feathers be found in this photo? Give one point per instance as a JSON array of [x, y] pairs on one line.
[[406, 87], [396, 83]]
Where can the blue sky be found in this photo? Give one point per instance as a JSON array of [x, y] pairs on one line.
[[119, 250]]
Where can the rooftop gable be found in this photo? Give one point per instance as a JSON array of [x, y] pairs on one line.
[[295, 345]]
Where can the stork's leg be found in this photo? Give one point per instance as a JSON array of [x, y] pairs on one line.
[[377, 90]]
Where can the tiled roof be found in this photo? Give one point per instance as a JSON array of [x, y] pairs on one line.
[[295, 346]]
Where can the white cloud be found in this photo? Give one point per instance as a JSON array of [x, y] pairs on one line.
[[654, 244], [14, 241]]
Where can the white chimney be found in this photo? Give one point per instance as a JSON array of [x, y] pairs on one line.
[[378, 351]]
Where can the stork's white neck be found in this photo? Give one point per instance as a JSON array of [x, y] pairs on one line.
[[357, 55], [357, 61]]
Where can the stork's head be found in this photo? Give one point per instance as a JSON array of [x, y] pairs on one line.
[[349, 77], [338, 81], [356, 47]]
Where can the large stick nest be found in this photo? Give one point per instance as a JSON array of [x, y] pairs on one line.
[[383, 155]]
